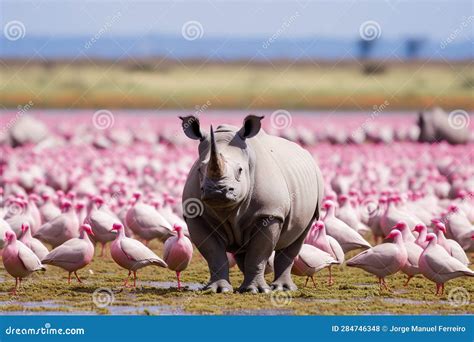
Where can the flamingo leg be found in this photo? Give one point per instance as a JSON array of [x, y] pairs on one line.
[[13, 291], [102, 251], [134, 279], [330, 280], [179, 280], [77, 277], [438, 287], [385, 285], [442, 289], [408, 280], [306, 282], [69, 278], [125, 283], [312, 279]]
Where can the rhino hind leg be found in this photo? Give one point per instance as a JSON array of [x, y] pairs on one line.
[[256, 256], [213, 250], [284, 262]]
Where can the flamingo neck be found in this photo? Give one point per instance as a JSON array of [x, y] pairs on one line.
[[330, 212], [421, 236]]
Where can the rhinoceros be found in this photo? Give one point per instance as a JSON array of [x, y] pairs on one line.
[[258, 194], [436, 125]]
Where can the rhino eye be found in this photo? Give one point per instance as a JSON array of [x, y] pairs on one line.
[[239, 173]]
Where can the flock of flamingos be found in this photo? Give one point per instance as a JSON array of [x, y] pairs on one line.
[[69, 186]]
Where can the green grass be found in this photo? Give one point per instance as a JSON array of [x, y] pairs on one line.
[[354, 292], [158, 84]]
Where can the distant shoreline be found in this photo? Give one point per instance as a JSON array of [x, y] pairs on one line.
[[170, 84]]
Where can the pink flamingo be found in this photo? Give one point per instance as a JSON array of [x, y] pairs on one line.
[[19, 260], [178, 252], [413, 251], [61, 228], [34, 244], [438, 266], [311, 260], [101, 219], [48, 210], [4, 227], [384, 259], [74, 254], [422, 232], [318, 238], [132, 254], [146, 222], [347, 237], [451, 246]]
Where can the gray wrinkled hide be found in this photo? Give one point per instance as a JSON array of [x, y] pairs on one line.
[[434, 127], [284, 197]]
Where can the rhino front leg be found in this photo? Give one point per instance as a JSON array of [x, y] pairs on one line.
[[283, 264], [213, 250], [259, 249]]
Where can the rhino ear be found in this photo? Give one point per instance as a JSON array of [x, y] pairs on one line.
[[251, 126], [192, 127]]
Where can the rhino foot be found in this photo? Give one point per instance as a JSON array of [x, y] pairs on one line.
[[252, 288], [284, 285], [219, 286]]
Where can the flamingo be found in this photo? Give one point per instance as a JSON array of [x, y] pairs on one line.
[[438, 266], [146, 222], [101, 219], [178, 252], [421, 238], [61, 228], [347, 237], [73, 254], [384, 259], [319, 239], [451, 246], [48, 210], [311, 260], [34, 244], [19, 260], [413, 251], [132, 254]]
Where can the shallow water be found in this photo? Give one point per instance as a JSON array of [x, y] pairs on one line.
[[259, 312], [171, 284], [148, 309]]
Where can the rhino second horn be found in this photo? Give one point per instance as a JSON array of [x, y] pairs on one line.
[[215, 168]]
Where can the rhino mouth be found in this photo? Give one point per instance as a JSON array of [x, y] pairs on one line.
[[219, 198]]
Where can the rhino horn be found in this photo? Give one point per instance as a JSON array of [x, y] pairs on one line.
[[215, 168]]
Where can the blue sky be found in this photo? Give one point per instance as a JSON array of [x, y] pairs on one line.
[[342, 19]]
